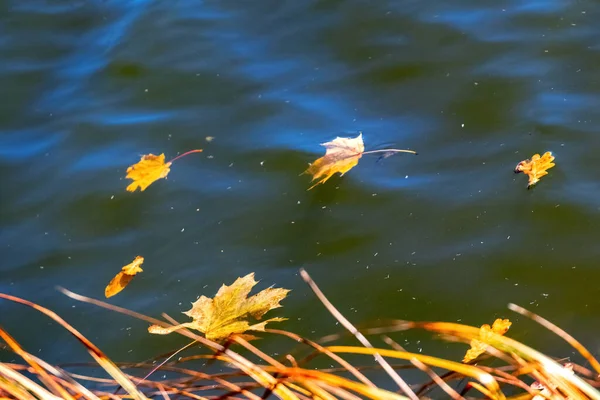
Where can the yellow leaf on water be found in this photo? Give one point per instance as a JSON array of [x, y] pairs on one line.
[[228, 311], [123, 278], [536, 167], [150, 169], [499, 327], [341, 156]]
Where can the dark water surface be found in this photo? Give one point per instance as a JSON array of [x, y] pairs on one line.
[[452, 234]]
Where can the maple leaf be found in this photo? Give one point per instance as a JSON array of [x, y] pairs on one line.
[[486, 332], [341, 155], [536, 167], [149, 169], [123, 278], [227, 312]]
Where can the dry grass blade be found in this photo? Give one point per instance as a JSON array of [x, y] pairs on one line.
[[340, 393], [467, 370], [249, 368], [13, 377], [41, 373], [361, 338], [349, 367], [436, 378], [13, 389], [564, 335], [94, 351], [302, 375], [317, 392], [78, 388], [507, 345]]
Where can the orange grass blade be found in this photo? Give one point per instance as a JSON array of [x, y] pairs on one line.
[[436, 378], [42, 374], [11, 375], [251, 369], [481, 389], [14, 390], [318, 392], [359, 336], [509, 346], [302, 375], [59, 373], [349, 367], [564, 335], [467, 370], [340, 393], [94, 351]]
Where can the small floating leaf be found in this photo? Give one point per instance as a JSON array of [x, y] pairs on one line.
[[536, 167], [123, 278]]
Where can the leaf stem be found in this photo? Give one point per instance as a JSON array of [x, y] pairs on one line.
[[185, 154], [390, 150]]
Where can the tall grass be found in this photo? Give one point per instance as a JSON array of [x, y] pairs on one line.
[[508, 368]]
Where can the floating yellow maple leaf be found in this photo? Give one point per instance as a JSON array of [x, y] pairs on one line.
[[149, 169], [123, 278], [536, 167], [341, 155], [227, 312], [486, 332]]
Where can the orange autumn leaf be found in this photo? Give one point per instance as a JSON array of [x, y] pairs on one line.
[[228, 311], [341, 155], [486, 332], [149, 169], [536, 167], [123, 278]]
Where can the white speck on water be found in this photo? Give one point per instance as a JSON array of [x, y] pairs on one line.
[[375, 255], [462, 125], [197, 209], [182, 229], [406, 177], [112, 197], [262, 163], [508, 237]]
